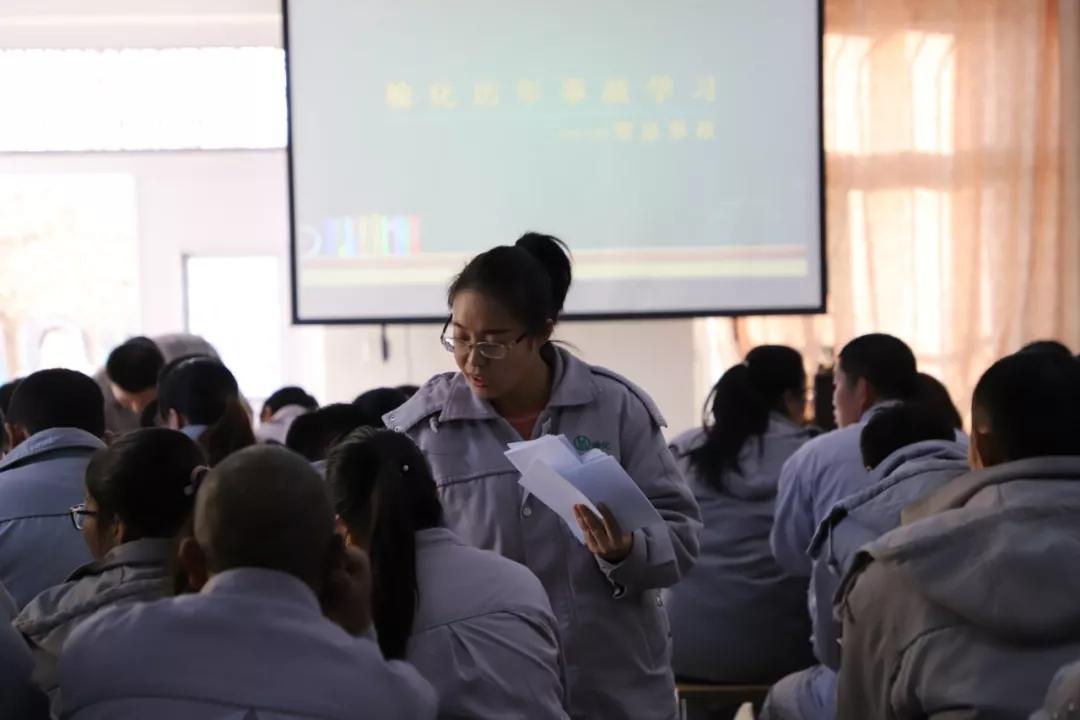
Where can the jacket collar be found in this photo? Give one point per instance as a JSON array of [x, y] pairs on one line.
[[48, 441], [148, 551], [251, 582]]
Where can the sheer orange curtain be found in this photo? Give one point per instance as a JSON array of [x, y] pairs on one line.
[[952, 131]]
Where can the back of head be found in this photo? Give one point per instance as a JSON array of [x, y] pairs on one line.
[[1053, 347], [373, 404], [741, 402], [530, 279], [134, 366], [932, 393], [885, 362], [409, 390], [312, 435], [1027, 405], [145, 480], [202, 391], [58, 398], [290, 395], [265, 507], [383, 489], [901, 425]]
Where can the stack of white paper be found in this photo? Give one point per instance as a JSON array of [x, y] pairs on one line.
[[552, 470]]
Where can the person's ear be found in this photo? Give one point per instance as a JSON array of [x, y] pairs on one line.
[[543, 337], [174, 420], [865, 395], [193, 561], [16, 434], [795, 405], [119, 533], [981, 449], [266, 414]]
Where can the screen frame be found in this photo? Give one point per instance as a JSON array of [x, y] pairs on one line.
[[818, 309]]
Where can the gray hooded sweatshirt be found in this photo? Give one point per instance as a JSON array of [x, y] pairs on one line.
[[128, 573], [969, 610], [903, 478]]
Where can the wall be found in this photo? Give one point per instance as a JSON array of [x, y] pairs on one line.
[[659, 355]]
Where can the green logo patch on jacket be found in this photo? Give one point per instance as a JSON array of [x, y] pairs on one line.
[[584, 444]]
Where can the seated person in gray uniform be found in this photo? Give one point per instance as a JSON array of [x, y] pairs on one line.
[[253, 642], [970, 607], [477, 625], [138, 495], [737, 617]]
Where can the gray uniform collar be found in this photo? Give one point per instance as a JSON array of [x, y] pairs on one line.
[[49, 441]]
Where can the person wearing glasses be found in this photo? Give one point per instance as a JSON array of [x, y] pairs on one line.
[[514, 384], [139, 492], [56, 421]]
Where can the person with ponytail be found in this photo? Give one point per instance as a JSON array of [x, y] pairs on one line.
[[139, 493], [737, 618], [199, 396], [514, 384], [477, 626]]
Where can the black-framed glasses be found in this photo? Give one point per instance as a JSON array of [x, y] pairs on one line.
[[490, 350], [79, 513]]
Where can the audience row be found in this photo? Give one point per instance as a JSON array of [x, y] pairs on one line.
[[379, 558]]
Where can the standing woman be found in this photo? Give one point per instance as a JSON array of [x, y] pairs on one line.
[[515, 384], [199, 397]]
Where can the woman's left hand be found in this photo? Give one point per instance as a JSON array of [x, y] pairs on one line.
[[603, 536]]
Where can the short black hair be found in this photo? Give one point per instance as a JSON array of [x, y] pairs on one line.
[[265, 507], [291, 395], [58, 398], [1053, 347], [933, 394], [134, 365], [313, 434], [901, 425], [145, 480], [409, 390], [1031, 403], [373, 404], [884, 361]]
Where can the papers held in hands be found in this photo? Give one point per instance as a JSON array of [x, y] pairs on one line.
[[552, 470]]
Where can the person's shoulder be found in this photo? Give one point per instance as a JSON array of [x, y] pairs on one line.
[[485, 566], [513, 573], [835, 446], [117, 626], [429, 400], [46, 609], [611, 384]]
